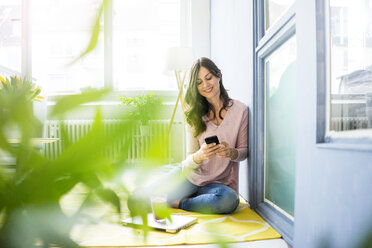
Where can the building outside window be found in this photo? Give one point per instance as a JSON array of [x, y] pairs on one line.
[[10, 36], [350, 71]]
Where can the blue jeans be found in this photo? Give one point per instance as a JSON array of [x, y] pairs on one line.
[[213, 198]]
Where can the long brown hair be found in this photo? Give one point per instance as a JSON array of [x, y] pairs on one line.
[[197, 105]]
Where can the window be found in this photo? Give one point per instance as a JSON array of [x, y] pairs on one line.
[[350, 70], [274, 9], [60, 32], [142, 32], [131, 50], [272, 175], [10, 37], [280, 127]]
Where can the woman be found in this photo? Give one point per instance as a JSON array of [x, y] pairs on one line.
[[207, 180]]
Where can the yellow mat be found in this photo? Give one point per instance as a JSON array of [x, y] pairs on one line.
[[243, 225]]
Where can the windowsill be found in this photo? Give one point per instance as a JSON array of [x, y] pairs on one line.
[[346, 146], [169, 97], [350, 136], [108, 103], [355, 140], [120, 92]]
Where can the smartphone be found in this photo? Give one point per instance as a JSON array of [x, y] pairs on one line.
[[212, 139]]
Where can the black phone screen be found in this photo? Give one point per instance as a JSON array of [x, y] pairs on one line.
[[212, 139]]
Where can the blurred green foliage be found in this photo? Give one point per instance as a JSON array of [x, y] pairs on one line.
[[30, 197]]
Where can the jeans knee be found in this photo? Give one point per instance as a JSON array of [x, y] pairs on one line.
[[227, 202]]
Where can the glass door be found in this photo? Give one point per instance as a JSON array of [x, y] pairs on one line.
[[280, 127], [274, 133]]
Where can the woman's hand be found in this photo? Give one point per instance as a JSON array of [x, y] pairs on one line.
[[227, 152], [206, 151]]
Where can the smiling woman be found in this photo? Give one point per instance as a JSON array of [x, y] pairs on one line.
[[205, 83], [208, 84], [207, 180]]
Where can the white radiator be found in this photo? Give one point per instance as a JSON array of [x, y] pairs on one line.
[[348, 123], [140, 145]]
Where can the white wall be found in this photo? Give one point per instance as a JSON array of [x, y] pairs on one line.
[[333, 199], [200, 28], [231, 50]]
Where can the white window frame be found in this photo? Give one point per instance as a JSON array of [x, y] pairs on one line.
[[265, 42]]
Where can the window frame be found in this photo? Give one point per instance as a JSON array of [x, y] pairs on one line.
[[264, 43], [358, 140], [190, 28]]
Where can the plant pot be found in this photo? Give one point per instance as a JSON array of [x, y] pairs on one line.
[[40, 113]]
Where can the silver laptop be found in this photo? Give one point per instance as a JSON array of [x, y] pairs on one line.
[[178, 222]]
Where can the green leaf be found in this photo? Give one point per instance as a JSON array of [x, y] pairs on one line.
[[110, 196], [4, 144], [95, 32], [3, 189], [162, 211], [219, 240]]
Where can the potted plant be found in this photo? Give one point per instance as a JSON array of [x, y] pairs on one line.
[[15, 84], [15, 92], [142, 108]]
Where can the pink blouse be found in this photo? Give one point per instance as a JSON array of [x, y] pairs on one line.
[[233, 130]]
